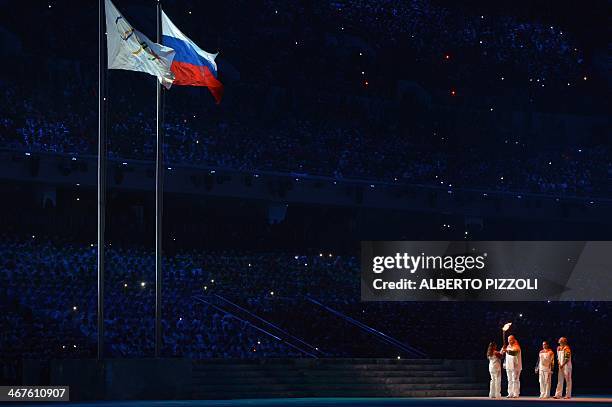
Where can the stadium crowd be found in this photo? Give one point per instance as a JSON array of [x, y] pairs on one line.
[[49, 300], [303, 146]]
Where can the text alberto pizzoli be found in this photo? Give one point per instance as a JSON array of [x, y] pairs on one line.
[[458, 264]]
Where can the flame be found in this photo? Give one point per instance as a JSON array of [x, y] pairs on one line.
[[507, 326]]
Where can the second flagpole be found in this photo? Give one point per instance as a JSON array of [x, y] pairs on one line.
[[159, 200]]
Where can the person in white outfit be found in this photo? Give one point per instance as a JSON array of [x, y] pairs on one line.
[[513, 365], [546, 361], [495, 369], [564, 358]]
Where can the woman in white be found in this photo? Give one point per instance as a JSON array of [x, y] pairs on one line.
[[546, 361], [494, 370], [564, 357], [513, 364]]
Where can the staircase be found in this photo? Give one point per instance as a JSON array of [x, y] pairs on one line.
[[229, 379]]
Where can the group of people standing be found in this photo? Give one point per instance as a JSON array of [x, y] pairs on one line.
[[511, 354]]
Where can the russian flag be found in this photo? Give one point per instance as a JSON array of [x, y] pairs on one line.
[[191, 65]]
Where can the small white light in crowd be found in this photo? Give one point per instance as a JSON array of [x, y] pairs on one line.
[[482, 17], [189, 12], [74, 308], [142, 284], [256, 175], [205, 288], [501, 178], [275, 11], [371, 185], [249, 264], [271, 292], [584, 78], [305, 264], [78, 185], [124, 285], [63, 346], [480, 42], [73, 158], [212, 281], [548, 301], [259, 342], [74, 346], [170, 168], [49, 5], [521, 315], [124, 163], [360, 54], [491, 109], [180, 318], [398, 357], [212, 171], [197, 141], [28, 154], [466, 232], [78, 199], [296, 43], [316, 348], [33, 236], [295, 257]]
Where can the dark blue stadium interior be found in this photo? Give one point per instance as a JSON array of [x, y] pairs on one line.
[[470, 103]]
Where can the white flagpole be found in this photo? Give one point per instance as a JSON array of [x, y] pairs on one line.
[[159, 195], [101, 171]]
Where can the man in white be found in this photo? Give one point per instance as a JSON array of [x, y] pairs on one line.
[[546, 361], [513, 364], [564, 358]]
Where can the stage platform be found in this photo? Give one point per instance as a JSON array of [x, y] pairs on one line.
[[595, 400]]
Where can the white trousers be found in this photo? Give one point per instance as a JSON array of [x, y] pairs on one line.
[[545, 379], [514, 382], [565, 374], [495, 383]]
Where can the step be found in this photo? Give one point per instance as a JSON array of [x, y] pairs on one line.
[[314, 379], [228, 374], [347, 367], [342, 393], [334, 386]]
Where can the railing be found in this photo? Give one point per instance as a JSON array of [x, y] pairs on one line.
[[363, 182], [374, 332], [273, 327], [265, 332]]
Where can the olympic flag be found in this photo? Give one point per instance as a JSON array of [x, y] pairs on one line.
[[131, 50]]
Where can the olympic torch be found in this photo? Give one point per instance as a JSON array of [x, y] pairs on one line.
[[504, 329]]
